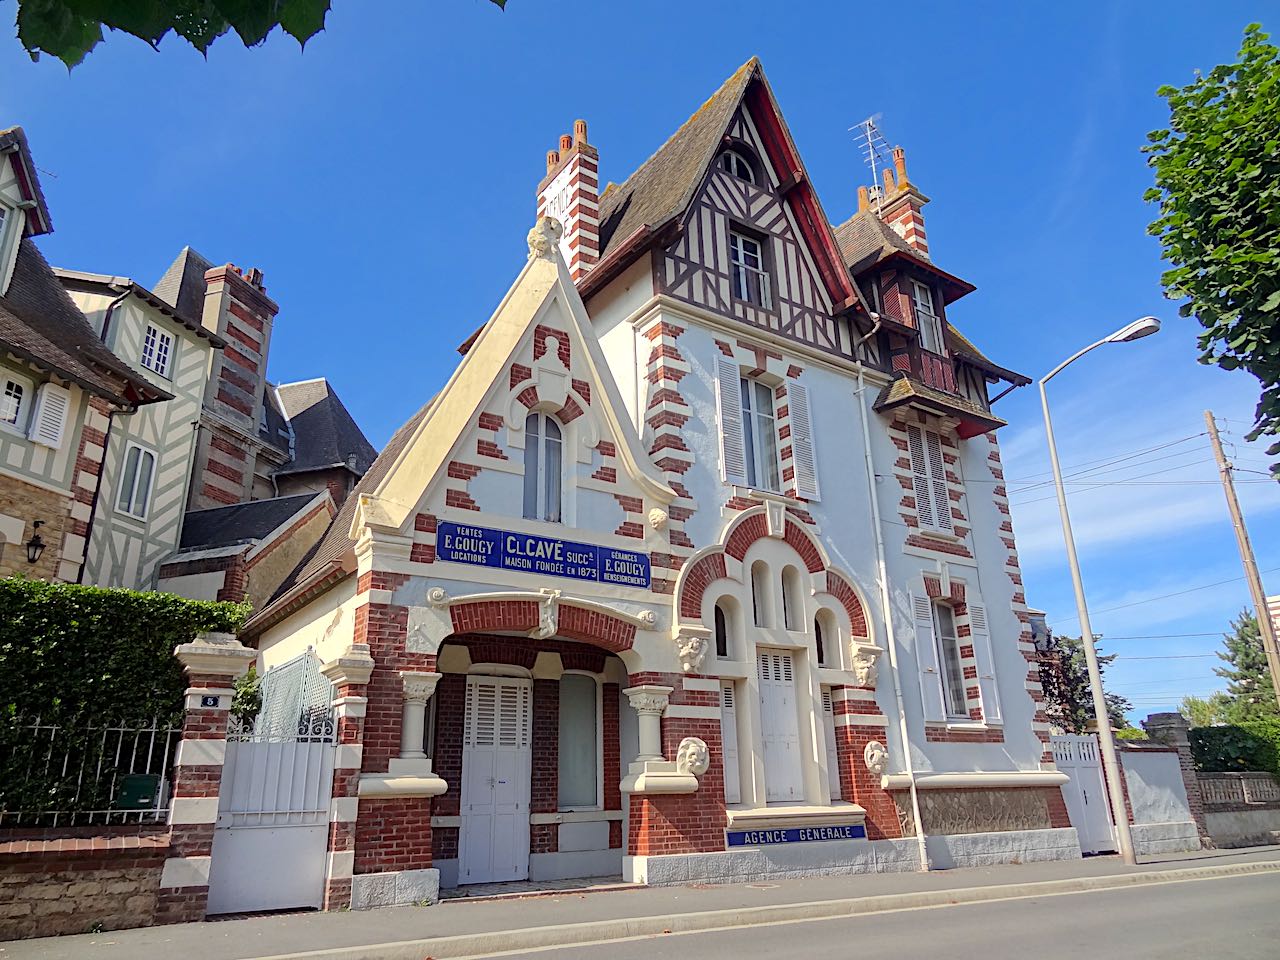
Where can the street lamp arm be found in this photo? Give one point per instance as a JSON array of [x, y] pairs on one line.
[[1070, 360]]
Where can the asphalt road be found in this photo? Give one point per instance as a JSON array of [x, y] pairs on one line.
[[1230, 919]]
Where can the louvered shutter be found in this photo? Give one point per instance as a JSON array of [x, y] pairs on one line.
[[780, 727], [927, 660], [833, 757], [938, 482], [729, 739], [733, 458], [987, 686], [802, 446], [49, 419], [920, 476]]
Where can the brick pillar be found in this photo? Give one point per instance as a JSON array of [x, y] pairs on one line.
[[612, 760], [1173, 730], [544, 790], [858, 783], [212, 662], [349, 675]]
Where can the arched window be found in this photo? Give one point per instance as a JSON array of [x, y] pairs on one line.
[[761, 595], [542, 443], [792, 601], [737, 164], [722, 633], [817, 642], [944, 628], [826, 639]]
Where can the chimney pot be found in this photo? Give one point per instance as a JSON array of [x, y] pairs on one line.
[[580, 132], [553, 158], [864, 199], [900, 164], [566, 143], [889, 188]]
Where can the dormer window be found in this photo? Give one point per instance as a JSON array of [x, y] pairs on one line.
[[733, 162], [748, 273], [15, 400], [927, 320], [157, 351]]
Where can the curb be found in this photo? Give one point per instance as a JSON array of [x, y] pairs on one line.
[[573, 934]]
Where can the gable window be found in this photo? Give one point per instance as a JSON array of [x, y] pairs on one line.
[[739, 166], [929, 479], [944, 629], [157, 351], [15, 400], [927, 319], [759, 435], [542, 449], [748, 276], [135, 484]]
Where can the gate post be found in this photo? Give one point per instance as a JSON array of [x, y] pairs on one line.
[[349, 675], [212, 662], [1172, 729]]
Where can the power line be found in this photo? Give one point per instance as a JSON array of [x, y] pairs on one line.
[[1102, 461], [1160, 636], [1169, 656], [1112, 461], [1166, 596]]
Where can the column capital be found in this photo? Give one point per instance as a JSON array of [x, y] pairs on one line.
[[215, 654], [418, 687], [648, 698], [351, 668]]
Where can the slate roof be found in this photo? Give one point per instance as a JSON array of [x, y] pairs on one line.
[[663, 186], [182, 285], [865, 240], [38, 219], [239, 522], [40, 322], [122, 284], [905, 390], [324, 433]]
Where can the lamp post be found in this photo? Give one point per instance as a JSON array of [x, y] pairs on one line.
[[1115, 786]]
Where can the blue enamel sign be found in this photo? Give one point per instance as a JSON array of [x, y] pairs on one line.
[[507, 550], [759, 838]]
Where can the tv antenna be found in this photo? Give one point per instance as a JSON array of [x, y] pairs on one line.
[[875, 152]]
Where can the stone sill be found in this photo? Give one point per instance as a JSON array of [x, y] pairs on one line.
[[959, 781], [776, 818]]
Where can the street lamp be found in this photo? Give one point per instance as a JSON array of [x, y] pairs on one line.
[[1143, 327]]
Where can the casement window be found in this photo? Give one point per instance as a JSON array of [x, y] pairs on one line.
[[15, 400], [944, 629], [749, 432], [135, 483], [759, 435], [542, 468], [49, 416], [938, 660], [157, 351], [729, 741], [739, 166], [579, 752], [748, 273], [927, 319], [779, 727], [833, 755], [929, 479]]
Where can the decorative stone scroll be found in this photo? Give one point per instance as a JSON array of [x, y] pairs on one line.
[[865, 657], [692, 649]]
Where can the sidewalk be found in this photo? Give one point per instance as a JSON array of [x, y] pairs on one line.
[[300, 933]]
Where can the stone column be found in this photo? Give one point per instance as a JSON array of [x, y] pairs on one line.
[[649, 701], [418, 688], [1173, 730], [349, 675], [212, 662]]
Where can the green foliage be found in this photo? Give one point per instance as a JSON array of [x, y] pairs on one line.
[[1252, 745], [1064, 675], [1249, 695], [1217, 180], [77, 657], [69, 29], [1208, 711], [248, 697], [1131, 733]]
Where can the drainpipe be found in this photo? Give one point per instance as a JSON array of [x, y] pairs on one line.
[[887, 603]]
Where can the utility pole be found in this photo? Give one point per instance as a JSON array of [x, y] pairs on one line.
[[1265, 627]]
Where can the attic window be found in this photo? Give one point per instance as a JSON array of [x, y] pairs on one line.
[[738, 165]]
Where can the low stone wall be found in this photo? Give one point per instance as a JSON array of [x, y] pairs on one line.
[[1241, 809], [1174, 836], [80, 880]]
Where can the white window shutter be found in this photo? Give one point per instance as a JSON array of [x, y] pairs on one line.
[[49, 419], [729, 741], [987, 686], [938, 472], [733, 458], [927, 660], [920, 476], [833, 755], [802, 446]]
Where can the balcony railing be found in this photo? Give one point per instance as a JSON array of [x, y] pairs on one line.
[[752, 285]]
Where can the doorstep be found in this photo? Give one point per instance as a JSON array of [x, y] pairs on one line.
[[521, 889]]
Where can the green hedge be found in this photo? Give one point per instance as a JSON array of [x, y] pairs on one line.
[[75, 658], [1253, 745]]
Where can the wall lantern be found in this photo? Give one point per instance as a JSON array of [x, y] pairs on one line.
[[35, 546]]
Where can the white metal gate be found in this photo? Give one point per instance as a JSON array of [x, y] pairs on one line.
[[1085, 793], [496, 765], [271, 839]]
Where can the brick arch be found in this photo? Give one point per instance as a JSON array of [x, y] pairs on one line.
[[843, 591], [583, 624], [697, 578]]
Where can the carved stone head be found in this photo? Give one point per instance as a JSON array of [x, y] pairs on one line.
[[693, 756], [544, 237], [876, 757]]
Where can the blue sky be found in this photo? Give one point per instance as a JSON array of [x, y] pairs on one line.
[[384, 180]]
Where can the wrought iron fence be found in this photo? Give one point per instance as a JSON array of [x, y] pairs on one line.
[[57, 776]]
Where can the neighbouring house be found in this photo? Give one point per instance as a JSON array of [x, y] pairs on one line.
[[700, 567], [147, 469], [63, 394]]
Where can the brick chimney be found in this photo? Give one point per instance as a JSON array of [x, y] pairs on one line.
[[901, 203], [570, 192]]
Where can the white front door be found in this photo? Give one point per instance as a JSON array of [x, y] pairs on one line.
[[1085, 792], [779, 726], [496, 754]]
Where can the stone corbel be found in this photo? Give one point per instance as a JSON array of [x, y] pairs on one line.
[[865, 659], [410, 774], [651, 773], [548, 615], [352, 668], [428, 626], [692, 646]]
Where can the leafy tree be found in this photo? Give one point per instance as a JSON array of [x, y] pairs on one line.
[[1217, 180], [69, 29], [1249, 695], [1210, 711], [1064, 675]]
